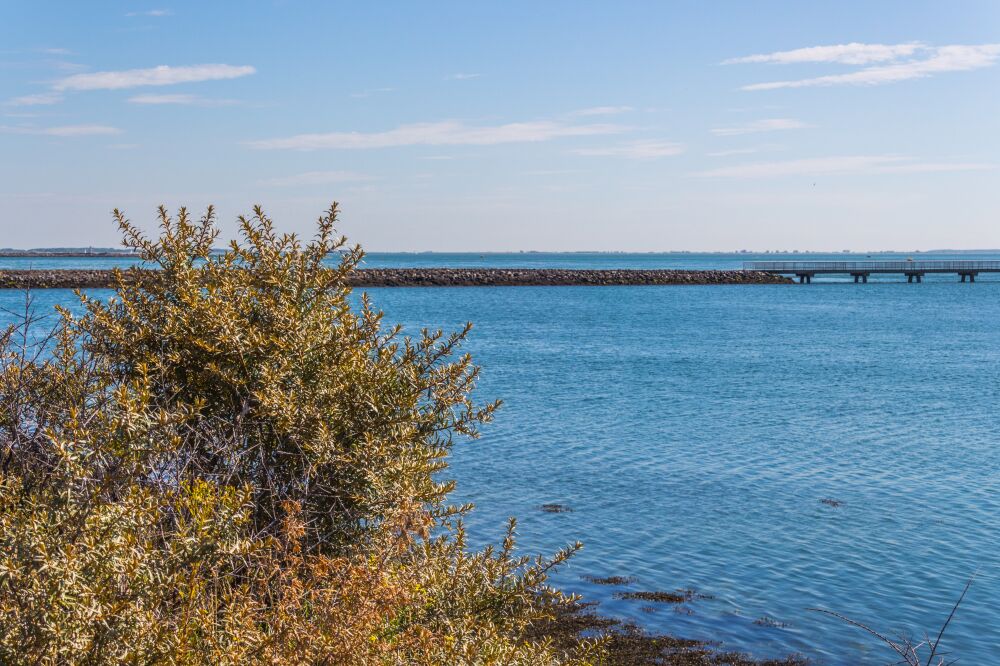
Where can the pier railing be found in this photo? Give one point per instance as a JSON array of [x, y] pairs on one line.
[[873, 266]]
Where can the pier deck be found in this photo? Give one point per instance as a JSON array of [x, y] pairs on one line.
[[861, 270]]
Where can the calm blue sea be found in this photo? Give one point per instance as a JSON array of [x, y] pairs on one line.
[[695, 430]]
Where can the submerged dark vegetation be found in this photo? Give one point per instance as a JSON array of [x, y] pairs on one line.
[[229, 463]]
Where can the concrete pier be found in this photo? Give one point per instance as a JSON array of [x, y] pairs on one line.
[[914, 271]]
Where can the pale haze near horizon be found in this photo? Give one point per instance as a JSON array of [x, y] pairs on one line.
[[651, 126]]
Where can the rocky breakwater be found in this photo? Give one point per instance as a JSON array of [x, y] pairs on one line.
[[436, 277], [523, 277], [56, 279]]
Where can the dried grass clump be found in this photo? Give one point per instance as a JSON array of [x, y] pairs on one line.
[[229, 463]]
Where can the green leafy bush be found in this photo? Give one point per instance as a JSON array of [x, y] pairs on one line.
[[229, 463]]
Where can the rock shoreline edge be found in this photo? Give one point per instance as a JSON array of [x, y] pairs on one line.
[[437, 277]]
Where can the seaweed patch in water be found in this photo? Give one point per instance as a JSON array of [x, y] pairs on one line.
[[610, 580], [694, 595], [629, 645], [767, 621], [555, 508], [829, 501], [678, 597]]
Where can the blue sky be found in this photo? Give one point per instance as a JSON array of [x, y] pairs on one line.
[[639, 126]]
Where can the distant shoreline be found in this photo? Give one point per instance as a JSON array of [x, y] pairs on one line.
[[110, 253], [433, 277], [70, 254]]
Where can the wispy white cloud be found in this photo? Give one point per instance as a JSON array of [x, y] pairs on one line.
[[157, 13], [550, 172], [929, 61], [447, 133], [938, 167], [840, 165], [66, 67], [316, 178], [163, 99], [636, 150], [39, 99], [602, 111], [463, 76], [56, 51], [63, 131], [80, 130], [744, 151], [848, 54], [766, 125], [164, 75], [370, 92], [181, 99]]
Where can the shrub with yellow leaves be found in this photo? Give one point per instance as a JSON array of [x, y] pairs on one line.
[[229, 462]]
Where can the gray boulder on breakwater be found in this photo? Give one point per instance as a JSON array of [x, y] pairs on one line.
[[436, 277]]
